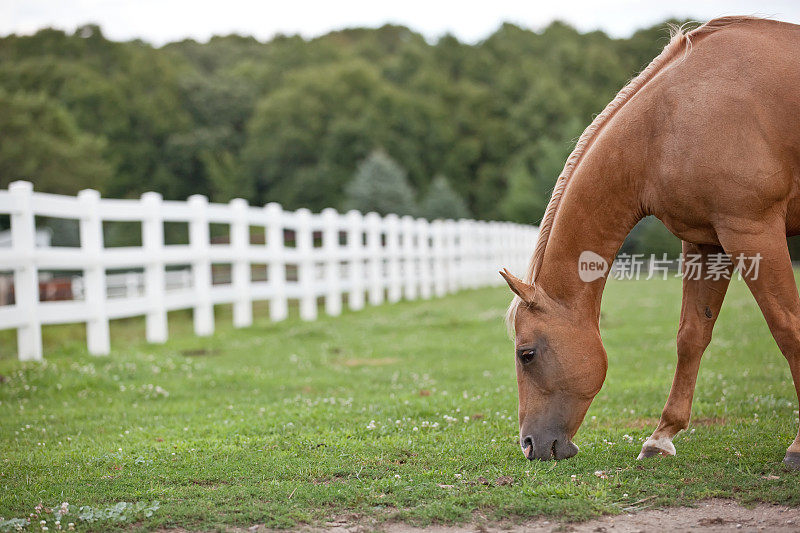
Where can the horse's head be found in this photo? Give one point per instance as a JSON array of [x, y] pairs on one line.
[[561, 365]]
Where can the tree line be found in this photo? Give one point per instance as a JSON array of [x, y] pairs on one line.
[[369, 118]]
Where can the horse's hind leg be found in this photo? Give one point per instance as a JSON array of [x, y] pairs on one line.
[[702, 300], [774, 288]]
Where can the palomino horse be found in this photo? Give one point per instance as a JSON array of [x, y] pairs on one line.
[[707, 139]]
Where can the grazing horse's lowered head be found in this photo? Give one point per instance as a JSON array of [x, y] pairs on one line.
[[561, 365]]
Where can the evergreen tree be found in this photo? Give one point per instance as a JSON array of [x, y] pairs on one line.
[[380, 185], [227, 178], [443, 202], [520, 202]]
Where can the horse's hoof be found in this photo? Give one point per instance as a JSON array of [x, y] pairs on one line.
[[792, 460], [653, 447], [652, 451]]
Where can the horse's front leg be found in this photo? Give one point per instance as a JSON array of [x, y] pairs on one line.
[[702, 300]]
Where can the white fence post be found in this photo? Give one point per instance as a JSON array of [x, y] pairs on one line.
[[455, 255], [330, 244], [410, 245], [440, 245], [240, 269], [444, 250], [489, 249], [484, 250], [201, 265], [156, 330], [489, 246], [517, 244], [276, 267], [495, 244], [395, 291], [94, 274], [424, 234], [452, 251], [466, 251], [480, 266], [504, 230], [373, 226], [305, 265], [26, 276], [464, 254], [438, 250], [355, 245]]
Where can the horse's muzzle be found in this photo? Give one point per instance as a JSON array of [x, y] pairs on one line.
[[546, 447]]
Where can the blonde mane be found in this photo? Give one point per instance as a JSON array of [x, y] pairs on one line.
[[680, 42]]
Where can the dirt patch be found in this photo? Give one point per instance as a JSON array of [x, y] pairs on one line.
[[709, 516], [198, 352]]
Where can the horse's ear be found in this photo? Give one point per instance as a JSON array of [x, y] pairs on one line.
[[518, 287]]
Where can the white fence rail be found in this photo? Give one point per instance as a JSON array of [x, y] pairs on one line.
[[366, 258]]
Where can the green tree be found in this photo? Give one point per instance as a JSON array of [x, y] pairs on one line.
[[380, 185], [126, 93], [42, 143], [441, 201]]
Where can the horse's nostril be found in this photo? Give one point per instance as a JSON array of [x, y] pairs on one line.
[[564, 449], [527, 447]]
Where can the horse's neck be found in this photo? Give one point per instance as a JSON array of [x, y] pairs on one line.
[[600, 206]]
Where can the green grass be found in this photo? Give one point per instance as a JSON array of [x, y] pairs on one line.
[[273, 424]]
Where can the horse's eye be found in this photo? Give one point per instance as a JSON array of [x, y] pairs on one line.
[[526, 355]]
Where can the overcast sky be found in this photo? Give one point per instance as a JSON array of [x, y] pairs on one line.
[[161, 21]]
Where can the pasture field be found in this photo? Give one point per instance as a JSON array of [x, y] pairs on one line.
[[400, 412]]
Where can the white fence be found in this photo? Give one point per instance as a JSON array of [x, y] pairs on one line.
[[366, 258]]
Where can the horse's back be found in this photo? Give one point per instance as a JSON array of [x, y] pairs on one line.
[[725, 129]]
